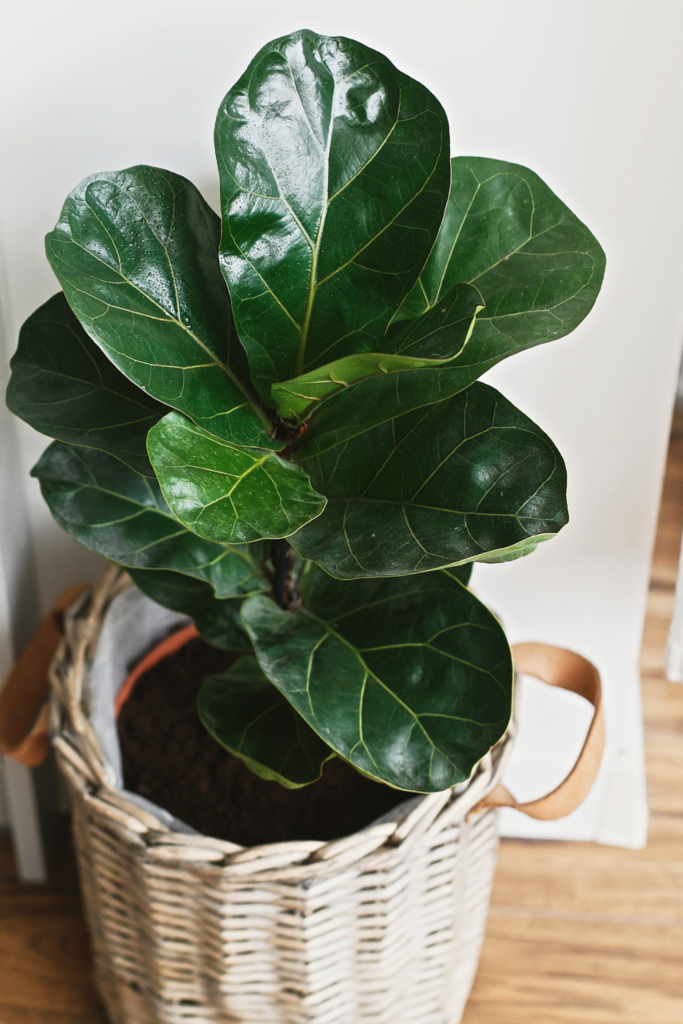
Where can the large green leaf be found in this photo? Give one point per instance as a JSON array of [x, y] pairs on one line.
[[429, 340], [136, 252], [410, 680], [218, 620], [119, 514], [63, 385], [334, 178], [249, 716], [538, 268], [468, 479], [227, 494]]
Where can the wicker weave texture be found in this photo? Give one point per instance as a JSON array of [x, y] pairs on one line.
[[382, 927]]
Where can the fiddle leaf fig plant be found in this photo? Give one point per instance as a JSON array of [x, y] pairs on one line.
[[273, 419]]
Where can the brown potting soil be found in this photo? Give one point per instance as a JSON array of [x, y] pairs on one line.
[[170, 758]]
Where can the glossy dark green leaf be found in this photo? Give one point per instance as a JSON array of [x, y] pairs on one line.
[[249, 716], [218, 620], [334, 173], [538, 268], [119, 514], [433, 339], [136, 253], [467, 479], [63, 385], [227, 494], [410, 680]]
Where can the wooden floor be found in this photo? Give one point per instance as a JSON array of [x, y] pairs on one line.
[[577, 932]]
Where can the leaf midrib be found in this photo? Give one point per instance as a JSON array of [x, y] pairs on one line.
[[315, 249]]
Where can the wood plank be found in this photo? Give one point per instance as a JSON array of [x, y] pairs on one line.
[[44, 953], [566, 972], [597, 879]]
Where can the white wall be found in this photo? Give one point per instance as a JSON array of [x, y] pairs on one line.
[[587, 93]]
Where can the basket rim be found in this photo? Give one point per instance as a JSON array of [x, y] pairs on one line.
[[82, 761]]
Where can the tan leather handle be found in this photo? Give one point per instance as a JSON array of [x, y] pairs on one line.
[[24, 725], [569, 671]]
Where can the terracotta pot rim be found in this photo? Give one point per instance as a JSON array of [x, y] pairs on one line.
[[169, 645]]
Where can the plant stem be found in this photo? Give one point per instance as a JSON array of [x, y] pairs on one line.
[[279, 553]]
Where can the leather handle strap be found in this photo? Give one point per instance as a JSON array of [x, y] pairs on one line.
[[24, 715], [568, 671]]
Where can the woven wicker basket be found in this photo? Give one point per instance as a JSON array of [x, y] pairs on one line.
[[384, 926]]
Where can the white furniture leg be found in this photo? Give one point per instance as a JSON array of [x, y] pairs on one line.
[[19, 616], [674, 647], [24, 822]]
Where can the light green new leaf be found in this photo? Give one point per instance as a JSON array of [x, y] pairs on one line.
[[217, 620], [410, 680], [63, 385], [334, 174], [249, 716], [226, 494], [376, 401], [538, 268], [468, 479], [136, 252], [117, 513], [430, 340]]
